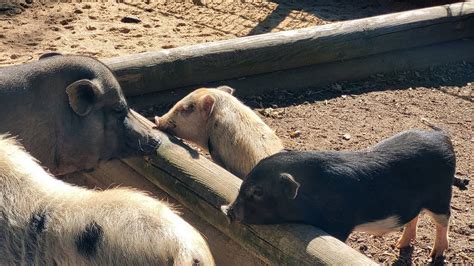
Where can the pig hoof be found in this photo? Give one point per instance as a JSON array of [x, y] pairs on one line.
[[439, 260], [436, 255]]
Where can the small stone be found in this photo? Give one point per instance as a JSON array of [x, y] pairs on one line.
[[78, 11], [14, 56], [124, 30], [86, 6], [92, 17], [346, 136], [295, 134], [266, 111], [91, 27], [168, 46], [130, 19], [64, 22]]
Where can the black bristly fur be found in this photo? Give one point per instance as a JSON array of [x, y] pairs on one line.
[[399, 177]]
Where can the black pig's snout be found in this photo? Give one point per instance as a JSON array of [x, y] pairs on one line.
[[141, 139], [143, 144], [150, 144]]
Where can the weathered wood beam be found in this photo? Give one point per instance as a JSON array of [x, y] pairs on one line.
[[336, 42], [203, 187], [323, 74]]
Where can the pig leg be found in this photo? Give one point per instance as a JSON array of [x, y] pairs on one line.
[[441, 241], [409, 234]]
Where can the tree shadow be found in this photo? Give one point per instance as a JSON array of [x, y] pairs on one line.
[[438, 78], [338, 10]]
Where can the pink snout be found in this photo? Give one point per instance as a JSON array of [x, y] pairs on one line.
[[157, 121]]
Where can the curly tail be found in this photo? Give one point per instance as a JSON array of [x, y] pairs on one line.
[[460, 183]]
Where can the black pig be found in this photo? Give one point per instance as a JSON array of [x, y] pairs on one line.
[[375, 190]]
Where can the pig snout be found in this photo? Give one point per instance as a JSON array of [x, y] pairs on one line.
[[165, 124], [228, 210], [141, 139], [157, 121]]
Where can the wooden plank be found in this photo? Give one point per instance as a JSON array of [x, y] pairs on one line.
[[117, 173], [324, 74], [203, 187], [223, 60]]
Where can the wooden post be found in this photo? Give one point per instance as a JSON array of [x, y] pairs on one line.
[[203, 187], [266, 53]]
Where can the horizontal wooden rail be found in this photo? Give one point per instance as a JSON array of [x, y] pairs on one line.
[[336, 42], [323, 74]]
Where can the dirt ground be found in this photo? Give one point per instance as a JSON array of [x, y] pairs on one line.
[[342, 116]]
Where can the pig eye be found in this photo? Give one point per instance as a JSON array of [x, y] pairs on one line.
[[189, 108], [258, 192], [119, 109]]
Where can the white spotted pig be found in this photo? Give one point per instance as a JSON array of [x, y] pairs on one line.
[[44, 221]]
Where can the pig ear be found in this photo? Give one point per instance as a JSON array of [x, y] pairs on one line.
[[207, 103], [290, 186], [227, 89], [82, 96]]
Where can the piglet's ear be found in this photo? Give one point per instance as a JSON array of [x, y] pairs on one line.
[[227, 89], [289, 185], [82, 96], [207, 104]]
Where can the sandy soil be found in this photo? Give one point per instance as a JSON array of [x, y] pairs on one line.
[[368, 110]]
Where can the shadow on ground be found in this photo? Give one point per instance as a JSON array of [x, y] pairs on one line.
[[339, 10], [453, 75]]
